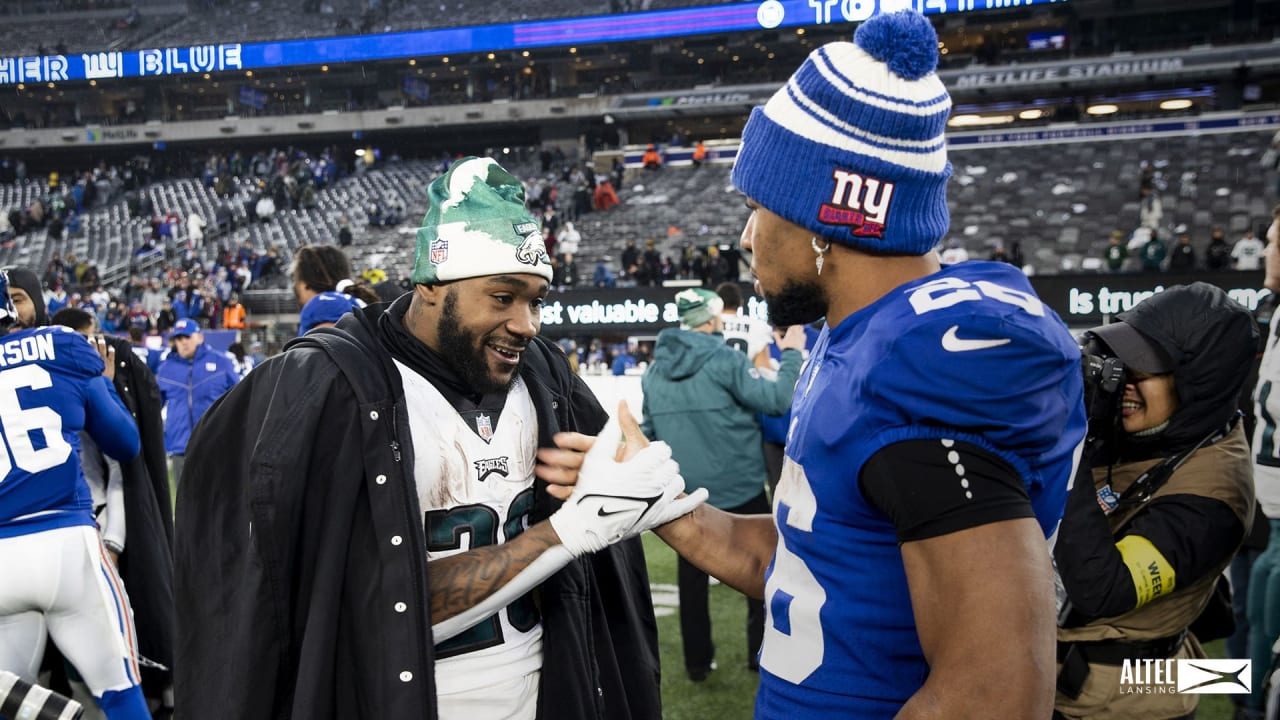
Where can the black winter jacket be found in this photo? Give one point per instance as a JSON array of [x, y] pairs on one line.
[[300, 559]]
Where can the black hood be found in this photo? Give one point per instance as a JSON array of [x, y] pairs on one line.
[[27, 281], [1212, 341]]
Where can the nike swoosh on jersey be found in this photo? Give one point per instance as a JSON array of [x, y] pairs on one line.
[[952, 343]]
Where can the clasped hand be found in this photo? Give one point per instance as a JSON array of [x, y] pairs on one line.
[[612, 490]]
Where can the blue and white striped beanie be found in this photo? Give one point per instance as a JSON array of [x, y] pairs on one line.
[[852, 147]]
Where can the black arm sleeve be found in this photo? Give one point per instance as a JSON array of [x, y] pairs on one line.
[[929, 489]]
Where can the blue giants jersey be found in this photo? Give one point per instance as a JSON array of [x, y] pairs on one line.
[[52, 387], [968, 354]]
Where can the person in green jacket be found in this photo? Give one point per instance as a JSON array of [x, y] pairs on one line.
[[701, 397]]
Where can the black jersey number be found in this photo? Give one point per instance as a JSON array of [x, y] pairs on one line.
[[446, 530]]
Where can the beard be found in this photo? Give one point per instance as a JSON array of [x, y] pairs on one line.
[[796, 303], [465, 351]]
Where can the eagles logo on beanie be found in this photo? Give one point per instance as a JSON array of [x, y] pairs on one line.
[[477, 225], [852, 147]]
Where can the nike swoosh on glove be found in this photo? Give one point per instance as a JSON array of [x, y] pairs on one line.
[[612, 500]]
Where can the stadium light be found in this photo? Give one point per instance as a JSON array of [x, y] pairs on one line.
[[1032, 114], [1102, 109], [1177, 104]]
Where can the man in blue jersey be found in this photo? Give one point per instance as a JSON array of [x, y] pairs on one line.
[[906, 567], [55, 575]]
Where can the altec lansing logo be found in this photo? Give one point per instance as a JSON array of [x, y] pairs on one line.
[[861, 204], [1186, 675]]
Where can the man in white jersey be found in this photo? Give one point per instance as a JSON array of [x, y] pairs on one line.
[[741, 331], [373, 532], [55, 575], [1264, 580]]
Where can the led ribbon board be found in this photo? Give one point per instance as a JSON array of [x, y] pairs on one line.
[[626, 27]]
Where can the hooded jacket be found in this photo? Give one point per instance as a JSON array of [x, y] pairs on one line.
[[701, 398], [1212, 341], [1187, 531]]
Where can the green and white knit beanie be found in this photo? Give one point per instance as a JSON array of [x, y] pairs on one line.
[[478, 225]]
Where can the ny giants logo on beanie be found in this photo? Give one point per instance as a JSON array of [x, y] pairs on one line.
[[860, 203], [853, 147]]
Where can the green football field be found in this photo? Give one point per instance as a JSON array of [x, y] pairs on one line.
[[729, 692]]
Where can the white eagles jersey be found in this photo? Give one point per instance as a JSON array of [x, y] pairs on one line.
[[476, 491], [746, 334], [1266, 397]]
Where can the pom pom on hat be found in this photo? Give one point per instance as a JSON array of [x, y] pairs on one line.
[[478, 225], [904, 41], [852, 148]]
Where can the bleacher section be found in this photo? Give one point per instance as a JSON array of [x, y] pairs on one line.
[[1060, 202]]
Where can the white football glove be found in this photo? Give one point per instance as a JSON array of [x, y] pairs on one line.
[[613, 500]]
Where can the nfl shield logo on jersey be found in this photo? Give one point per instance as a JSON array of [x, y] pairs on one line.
[[484, 427]]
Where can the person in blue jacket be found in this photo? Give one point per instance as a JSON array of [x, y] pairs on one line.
[[191, 378], [55, 576]]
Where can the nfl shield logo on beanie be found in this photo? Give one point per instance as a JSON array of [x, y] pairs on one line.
[[478, 225], [852, 147]]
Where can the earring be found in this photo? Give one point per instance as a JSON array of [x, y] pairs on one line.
[[821, 251]]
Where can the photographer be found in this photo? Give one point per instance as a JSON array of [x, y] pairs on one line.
[[1141, 547]]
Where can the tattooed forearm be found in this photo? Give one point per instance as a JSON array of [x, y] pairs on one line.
[[462, 581]]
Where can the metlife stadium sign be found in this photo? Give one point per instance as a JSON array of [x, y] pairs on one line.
[[732, 17]]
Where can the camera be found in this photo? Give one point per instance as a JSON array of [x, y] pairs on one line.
[[21, 700], [1102, 374], [1104, 381]]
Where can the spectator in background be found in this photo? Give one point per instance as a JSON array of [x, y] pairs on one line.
[[701, 397], [191, 378], [623, 360], [603, 277], [699, 154], [605, 197], [998, 253], [1247, 252], [345, 237], [955, 252], [166, 318], [650, 264], [1116, 252], [1154, 253], [1183, 257], [630, 260], [1218, 254], [651, 160], [195, 231], [233, 314], [1150, 209], [569, 241]]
